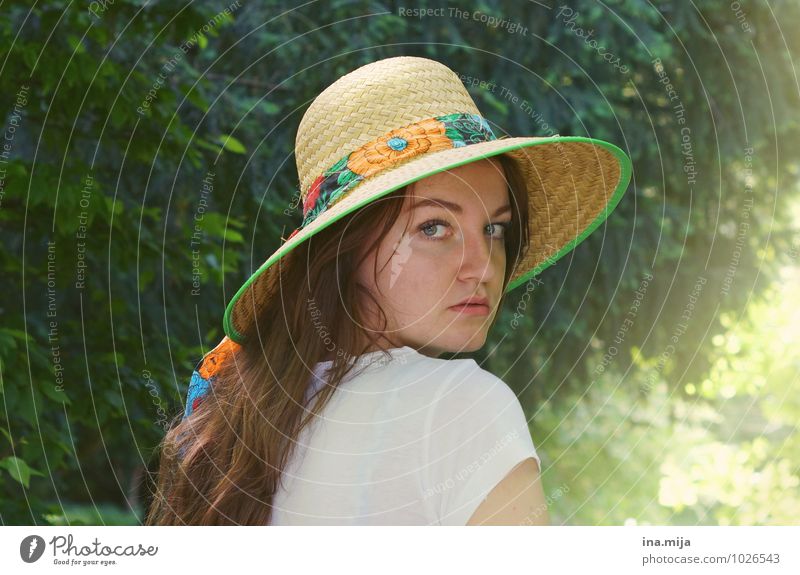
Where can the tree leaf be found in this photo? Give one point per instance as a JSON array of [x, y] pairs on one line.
[[18, 469], [232, 144]]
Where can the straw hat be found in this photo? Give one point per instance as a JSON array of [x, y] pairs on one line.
[[398, 120]]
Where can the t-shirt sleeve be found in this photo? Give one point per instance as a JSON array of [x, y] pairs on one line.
[[476, 434]]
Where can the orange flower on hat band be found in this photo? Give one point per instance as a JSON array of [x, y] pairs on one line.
[[206, 371], [216, 357], [399, 145]]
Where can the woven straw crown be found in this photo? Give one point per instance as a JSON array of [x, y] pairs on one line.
[[369, 102]]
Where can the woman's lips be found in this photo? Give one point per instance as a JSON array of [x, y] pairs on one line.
[[471, 309]]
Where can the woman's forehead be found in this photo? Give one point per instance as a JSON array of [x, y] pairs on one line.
[[482, 181]]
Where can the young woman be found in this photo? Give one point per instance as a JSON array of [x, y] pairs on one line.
[[327, 401]]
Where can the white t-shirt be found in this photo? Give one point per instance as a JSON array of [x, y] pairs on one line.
[[408, 440]]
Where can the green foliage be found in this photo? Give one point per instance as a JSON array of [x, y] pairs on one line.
[[152, 165]]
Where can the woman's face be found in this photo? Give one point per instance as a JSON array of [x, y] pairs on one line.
[[446, 246]]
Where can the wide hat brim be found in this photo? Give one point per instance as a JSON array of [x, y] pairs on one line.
[[573, 184]]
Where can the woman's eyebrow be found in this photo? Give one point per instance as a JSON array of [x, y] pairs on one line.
[[453, 206]]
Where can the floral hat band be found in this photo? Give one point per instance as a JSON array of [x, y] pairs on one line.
[[389, 150]]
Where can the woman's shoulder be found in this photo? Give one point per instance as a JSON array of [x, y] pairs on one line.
[[458, 381]]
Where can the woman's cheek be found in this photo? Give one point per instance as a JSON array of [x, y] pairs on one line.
[[437, 252], [499, 255]]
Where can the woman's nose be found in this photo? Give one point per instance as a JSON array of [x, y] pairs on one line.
[[479, 256]]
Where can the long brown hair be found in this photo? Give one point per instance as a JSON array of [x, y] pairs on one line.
[[222, 465]]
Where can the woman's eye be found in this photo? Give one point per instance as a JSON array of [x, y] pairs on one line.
[[431, 227], [500, 228]]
